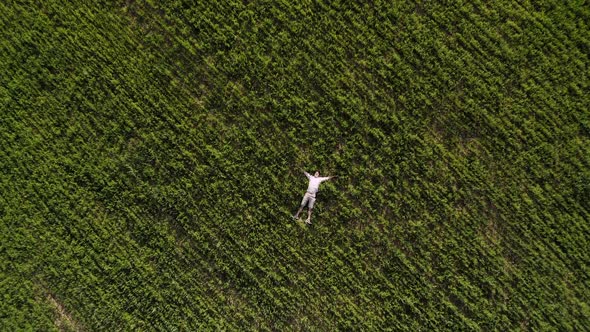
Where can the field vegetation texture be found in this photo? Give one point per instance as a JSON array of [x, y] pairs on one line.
[[152, 153]]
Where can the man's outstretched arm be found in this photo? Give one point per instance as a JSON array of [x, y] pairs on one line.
[[327, 178]]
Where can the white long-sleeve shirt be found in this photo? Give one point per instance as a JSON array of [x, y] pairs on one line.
[[314, 183]]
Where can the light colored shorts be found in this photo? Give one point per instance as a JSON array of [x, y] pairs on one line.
[[309, 200]]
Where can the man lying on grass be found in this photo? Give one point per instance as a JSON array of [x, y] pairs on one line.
[[309, 197]]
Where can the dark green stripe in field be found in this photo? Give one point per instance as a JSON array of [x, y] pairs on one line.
[[151, 155]]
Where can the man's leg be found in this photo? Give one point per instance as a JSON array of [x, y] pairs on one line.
[[296, 216], [310, 209], [303, 204]]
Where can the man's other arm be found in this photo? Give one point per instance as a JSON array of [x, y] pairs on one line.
[[327, 178]]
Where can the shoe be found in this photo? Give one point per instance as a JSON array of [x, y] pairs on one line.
[[307, 221], [295, 217]]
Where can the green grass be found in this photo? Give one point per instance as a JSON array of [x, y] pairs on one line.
[[151, 156]]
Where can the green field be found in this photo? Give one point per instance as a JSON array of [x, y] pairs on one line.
[[152, 153]]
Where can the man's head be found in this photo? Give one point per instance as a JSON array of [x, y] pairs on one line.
[[317, 173]]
